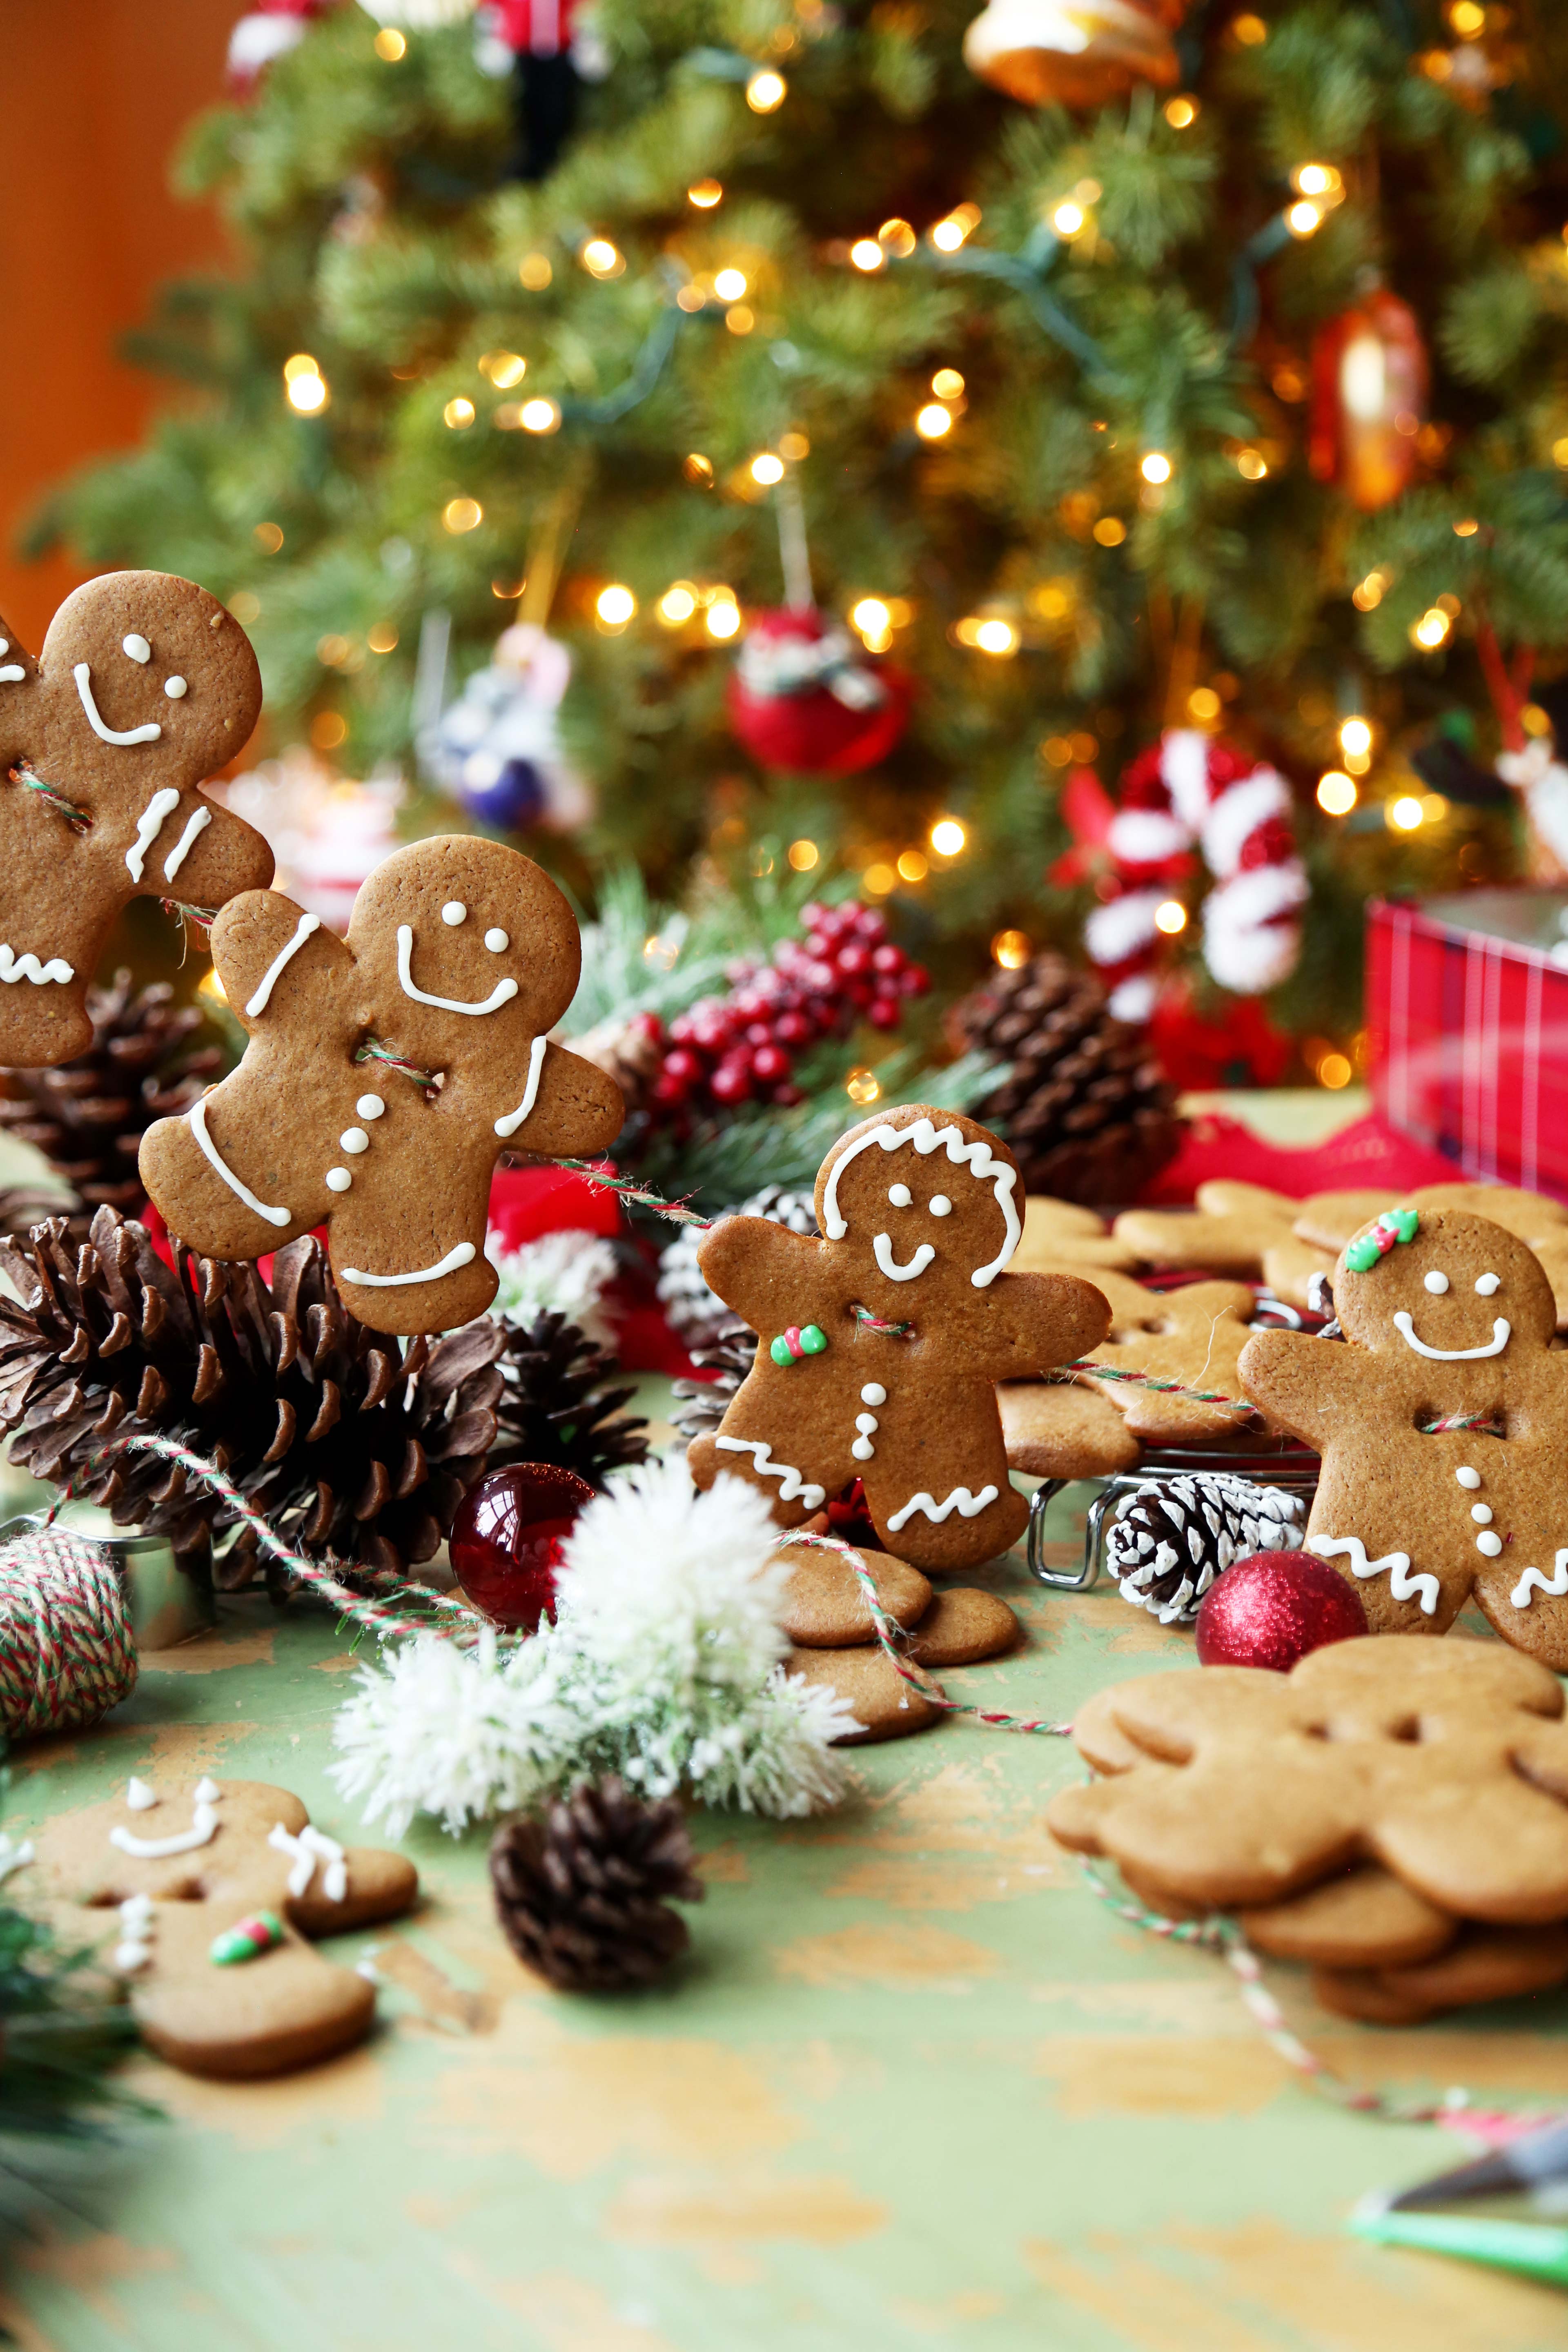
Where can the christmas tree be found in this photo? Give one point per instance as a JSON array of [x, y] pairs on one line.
[[999, 405]]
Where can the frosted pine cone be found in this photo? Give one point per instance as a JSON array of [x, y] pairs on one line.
[[1170, 1539], [693, 1311]]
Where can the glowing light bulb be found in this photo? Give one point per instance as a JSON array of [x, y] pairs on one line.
[[1406, 812], [871, 617], [459, 414], [1431, 630], [948, 837], [704, 195], [615, 605], [539, 417], [1303, 219], [676, 605], [803, 855], [601, 258], [1315, 179], [1155, 466], [730, 285], [1169, 917], [1181, 114], [1010, 949], [304, 386], [767, 469], [933, 421], [994, 636], [867, 255], [947, 384], [767, 92], [504, 369], [390, 45], [1355, 737], [461, 514], [724, 617], [1336, 793], [1067, 220]]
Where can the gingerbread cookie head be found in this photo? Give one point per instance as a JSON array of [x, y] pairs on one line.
[[924, 1206], [1442, 1286], [146, 686], [477, 949], [384, 1079]]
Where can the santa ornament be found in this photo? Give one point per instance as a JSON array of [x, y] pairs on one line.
[[803, 698], [1189, 797], [1369, 396], [266, 32], [549, 53], [1074, 52]]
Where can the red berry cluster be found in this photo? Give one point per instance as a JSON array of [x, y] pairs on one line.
[[741, 1048]]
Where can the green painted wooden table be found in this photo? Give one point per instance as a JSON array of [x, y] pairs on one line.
[[916, 2088]]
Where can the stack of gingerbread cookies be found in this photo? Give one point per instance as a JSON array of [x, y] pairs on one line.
[[829, 1622], [1392, 1813]]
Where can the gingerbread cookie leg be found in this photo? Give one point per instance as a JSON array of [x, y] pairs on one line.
[[946, 1500]]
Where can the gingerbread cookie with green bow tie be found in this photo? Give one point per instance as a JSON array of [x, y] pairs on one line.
[[1443, 1425], [384, 1076]]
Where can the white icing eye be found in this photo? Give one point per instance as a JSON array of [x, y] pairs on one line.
[[899, 1196], [174, 687], [1482, 1514], [370, 1106], [453, 911], [338, 1180], [939, 1205], [1487, 1282], [1437, 1282], [137, 647], [1468, 1479], [873, 1394], [355, 1139], [496, 942]]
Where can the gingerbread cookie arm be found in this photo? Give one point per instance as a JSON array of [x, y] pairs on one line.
[[764, 1272], [1035, 1322], [558, 1106], [268, 951], [1309, 1386], [204, 854]]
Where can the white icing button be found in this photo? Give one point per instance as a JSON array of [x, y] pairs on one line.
[[206, 1792], [174, 687], [899, 1196], [1437, 1282], [496, 942], [864, 1423], [370, 1106], [355, 1139], [939, 1205], [338, 1180], [137, 647], [863, 1450], [1482, 1514], [1468, 1477], [453, 911], [1488, 1543], [140, 1797], [873, 1394], [1487, 1282]]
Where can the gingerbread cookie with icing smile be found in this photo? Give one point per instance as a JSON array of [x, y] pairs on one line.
[[461, 956], [881, 1343], [146, 686], [1449, 1320]]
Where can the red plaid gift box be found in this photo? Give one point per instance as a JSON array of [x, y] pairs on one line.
[[1468, 1021]]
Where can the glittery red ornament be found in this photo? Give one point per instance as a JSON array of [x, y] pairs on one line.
[[1271, 1608], [806, 697], [506, 1540]]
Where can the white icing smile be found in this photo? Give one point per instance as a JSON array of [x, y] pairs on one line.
[[1494, 1347], [147, 734], [201, 1831], [454, 1258], [883, 1246], [502, 994]]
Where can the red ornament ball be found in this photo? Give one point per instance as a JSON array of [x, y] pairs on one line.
[[1271, 1608], [506, 1540], [804, 697]]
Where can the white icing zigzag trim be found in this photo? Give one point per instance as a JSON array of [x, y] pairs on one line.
[[454, 1258], [791, 1482], [303, 929], [148, 734], [502, 994], [304, 1852], [28, 967], [1402, 1585], [967, 1506], [198, 1116], [515, 1118], [1533, 1581], [926, 1138], [1498, 1341]]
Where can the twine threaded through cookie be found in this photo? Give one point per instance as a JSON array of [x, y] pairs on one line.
[[24, 772], [375, 1049], [67, 1654]]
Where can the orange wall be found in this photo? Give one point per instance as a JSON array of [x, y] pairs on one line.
[[93, 97]]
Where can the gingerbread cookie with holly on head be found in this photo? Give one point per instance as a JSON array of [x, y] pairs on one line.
[[881, 1343], [384, 1077], [146, 686], [1443, 1425]]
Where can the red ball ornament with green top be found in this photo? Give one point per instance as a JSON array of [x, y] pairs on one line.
[[804, 698], [506, 1540]]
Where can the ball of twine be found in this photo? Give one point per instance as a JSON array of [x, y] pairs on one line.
[[67, 1652]]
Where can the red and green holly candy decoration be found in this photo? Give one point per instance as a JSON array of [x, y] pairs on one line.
[[798, 1341], [1393, 1226]]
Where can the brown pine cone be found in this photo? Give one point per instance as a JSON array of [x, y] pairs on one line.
[[1085, 1106], [554, 1405], [348, 1445], [629, 1049], [87, 1117], [703, 1403], [583, 1893]]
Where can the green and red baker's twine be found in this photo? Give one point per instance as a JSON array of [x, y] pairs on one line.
[[22, 772]]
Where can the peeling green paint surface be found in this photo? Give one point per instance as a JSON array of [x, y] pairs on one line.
[[915, 2091]]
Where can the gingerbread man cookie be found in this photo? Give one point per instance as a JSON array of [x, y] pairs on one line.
[[881, 1343], [216, 1888], [1328, 1222], [461, 956], [146, 686], [1449, 1319]]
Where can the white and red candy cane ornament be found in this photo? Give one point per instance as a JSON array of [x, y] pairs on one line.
[[1189, 794]]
